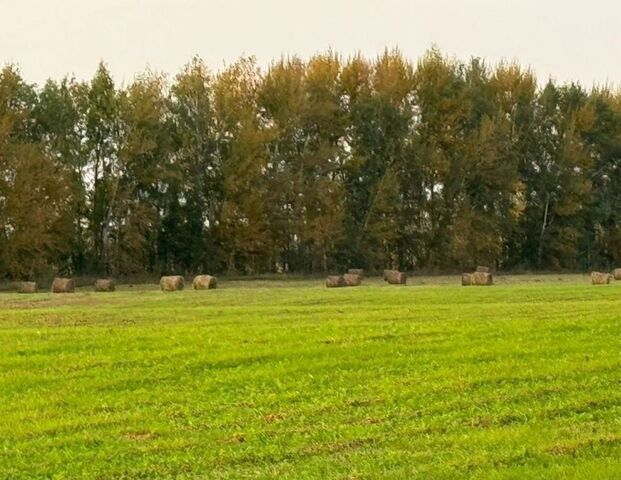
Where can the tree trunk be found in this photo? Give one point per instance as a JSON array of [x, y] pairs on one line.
[[544, 224]]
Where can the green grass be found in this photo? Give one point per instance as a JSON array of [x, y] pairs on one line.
[[292, 380]]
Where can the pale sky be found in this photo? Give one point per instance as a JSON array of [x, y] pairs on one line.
[[563, 39]]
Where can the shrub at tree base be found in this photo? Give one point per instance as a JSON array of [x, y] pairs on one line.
[[172, 283], [599, 278], [395, 277], [356, 271], [63, 285], [352, 279], [616, 273], [335, 281], [104, 285], [204, 282], [27, 287]]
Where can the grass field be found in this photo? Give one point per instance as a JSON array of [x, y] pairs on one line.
[[293, 380]]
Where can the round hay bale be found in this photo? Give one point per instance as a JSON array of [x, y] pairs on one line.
[[482, 279], [466, 279], [335, 281], [616, 273], [105, 285], [356, 271], [482, 269], [352, 279], [204, 282], [27, 287], [172, 283], [599, 278], [394, 277], [387, 273], [63, 285]]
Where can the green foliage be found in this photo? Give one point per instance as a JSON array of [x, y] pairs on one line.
[[35, 198], [199, 176], [312, 166]]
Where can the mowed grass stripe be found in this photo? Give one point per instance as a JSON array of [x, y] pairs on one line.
[[254, 382]]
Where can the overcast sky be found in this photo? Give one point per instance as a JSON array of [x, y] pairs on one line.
[[563, 39]]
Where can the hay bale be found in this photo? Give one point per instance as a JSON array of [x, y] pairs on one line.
[[356, 271], [616, 273], [466, 279], [352, 279], [482, 279], [27, 287], [204, 282], [335, 281], [387, 273], [599, 278], [105, 285], [394, 277], [482, 269], [172, 283], [63, 285]]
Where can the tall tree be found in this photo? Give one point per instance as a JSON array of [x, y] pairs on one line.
[[485, 208], [146, 183], [98, 105], [379, 98], [557, 179], [306, 124], [439, 153], [602, 216], [58, 128], [34, 193], [243, 227], [195, 153]]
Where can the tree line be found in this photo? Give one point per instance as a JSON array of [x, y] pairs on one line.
[[308, 166]]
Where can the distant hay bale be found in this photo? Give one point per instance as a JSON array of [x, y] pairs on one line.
[[616, 273], [63, 285], [599, 278], [356, 271], [105, 285], [466, 279], [172, 283], [335, 281], [389, 272], [352, 279], [482, 269], [482, 278], [204, 282], [394, 277], [27, 287]]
